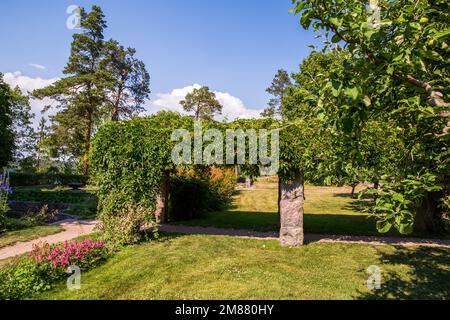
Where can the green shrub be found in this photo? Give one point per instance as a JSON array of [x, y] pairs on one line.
[[18, 179], [3, 210], [193, 194], [24, 279], [128, 164]]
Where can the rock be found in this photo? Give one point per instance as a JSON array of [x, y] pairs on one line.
[[291, 212]]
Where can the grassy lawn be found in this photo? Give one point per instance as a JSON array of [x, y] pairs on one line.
[[328, 210], [210, 267], [12, 237]]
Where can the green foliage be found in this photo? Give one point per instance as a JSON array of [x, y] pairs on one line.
[[203, 103], [278, 90], [387, 97], [130, 81], [128, 164], [193, 195], [3, 210], [304, 148], [15, 120], [103, 79], [397, 202], [24, 279], [19, 179]]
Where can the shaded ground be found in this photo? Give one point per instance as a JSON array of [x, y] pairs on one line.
[[309, 238], [328, 210]]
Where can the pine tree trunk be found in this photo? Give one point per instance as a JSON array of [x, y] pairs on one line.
[[291, 212], [162, 200]]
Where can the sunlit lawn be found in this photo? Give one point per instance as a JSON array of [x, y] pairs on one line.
[[213, 267], [328, 210]]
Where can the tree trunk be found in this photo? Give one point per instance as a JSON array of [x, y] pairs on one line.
[[354, 190], [87, 146], [291, 212], [429, 216], [162, 200], [116, 112]]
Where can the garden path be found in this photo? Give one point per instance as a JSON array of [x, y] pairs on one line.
[[72, 229], [408, 242]]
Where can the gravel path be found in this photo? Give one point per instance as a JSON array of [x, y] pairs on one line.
[[408, 242], [72, 229]]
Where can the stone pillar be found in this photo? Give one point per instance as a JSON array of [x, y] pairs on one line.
[[291, 212], [162, 200]]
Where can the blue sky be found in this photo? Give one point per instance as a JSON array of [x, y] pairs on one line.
[[233, 46]]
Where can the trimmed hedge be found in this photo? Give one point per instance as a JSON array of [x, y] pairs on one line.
[[18, 179]]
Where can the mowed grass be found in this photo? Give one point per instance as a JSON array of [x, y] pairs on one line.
[[214, 267], [328, 210], [12, 237]]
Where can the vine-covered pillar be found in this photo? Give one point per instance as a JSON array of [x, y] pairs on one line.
[[291, 211], [162, 200]]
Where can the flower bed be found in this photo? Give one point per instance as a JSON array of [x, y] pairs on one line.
[[48, 264]]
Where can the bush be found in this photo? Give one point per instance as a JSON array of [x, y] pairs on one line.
[[47, 264], [44, 216], [19, 179], [192, 193], [4, 191], [129, 161], [124, 227]]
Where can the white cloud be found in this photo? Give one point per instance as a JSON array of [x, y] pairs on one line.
[[27, 85], [233, 107], [37, 66]]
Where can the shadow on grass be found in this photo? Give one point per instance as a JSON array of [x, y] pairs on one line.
[[427, 276], [331, 224]]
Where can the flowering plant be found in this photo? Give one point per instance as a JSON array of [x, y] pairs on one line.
[[85, 254]]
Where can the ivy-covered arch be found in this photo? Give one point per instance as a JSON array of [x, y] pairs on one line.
[[132, 163]]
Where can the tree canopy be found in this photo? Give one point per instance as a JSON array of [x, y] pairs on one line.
[[203, 103], [392, 84]]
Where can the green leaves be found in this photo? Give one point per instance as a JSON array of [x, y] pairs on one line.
[[336, 22], [398, 202], [352, 92]]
